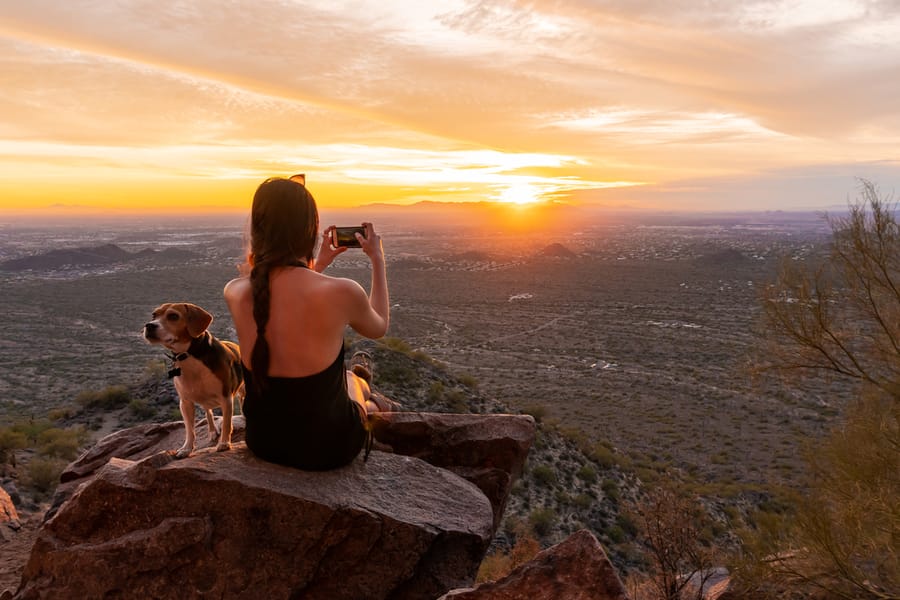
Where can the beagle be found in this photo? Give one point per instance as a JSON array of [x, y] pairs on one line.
[[206, 371]]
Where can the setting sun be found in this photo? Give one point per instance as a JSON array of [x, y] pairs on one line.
[[519, 194], [113, 108]]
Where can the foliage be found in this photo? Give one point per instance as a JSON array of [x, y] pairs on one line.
[[670, 526], [10, 441], [587, 473], [542, 520], [41, 474], [537, 411], [841, 319], [843, 534], [109, 398], [544, 475], [500, 564], [61, 443]]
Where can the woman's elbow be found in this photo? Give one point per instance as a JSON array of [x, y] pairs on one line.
[[374, 330]]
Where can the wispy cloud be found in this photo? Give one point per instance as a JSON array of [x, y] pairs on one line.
[[610, 92]]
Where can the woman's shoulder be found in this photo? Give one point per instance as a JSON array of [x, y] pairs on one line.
[[237, 287]]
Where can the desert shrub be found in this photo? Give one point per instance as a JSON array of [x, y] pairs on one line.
[[41, 474], [500, 564], [587, 473], [542, 520], [435, 392], [61, 443], [468, 380], [838, 319], [155, 369], [111, 397], [60, 413], [397, 345], [32, 428], [603, 455], [457, 401], [141, 409], [10, 441], [544, 475], [537, 411], [583, 501], [670, 525]]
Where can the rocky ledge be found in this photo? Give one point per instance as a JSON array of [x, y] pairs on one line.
[[130, 521]]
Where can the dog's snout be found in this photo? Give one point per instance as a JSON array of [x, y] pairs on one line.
[[150, 328]]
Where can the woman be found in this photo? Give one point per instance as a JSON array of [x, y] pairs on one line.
[[302, 408]]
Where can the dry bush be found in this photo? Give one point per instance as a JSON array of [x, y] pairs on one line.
[[500, 564], [841, 319], [671, 526]]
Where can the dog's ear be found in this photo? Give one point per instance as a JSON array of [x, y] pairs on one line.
[[197, 319]]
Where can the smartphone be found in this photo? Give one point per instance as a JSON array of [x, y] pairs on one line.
[[346, 236]]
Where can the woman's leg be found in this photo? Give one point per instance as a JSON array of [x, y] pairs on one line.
[[359, 391]]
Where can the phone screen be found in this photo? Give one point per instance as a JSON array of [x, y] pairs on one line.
[[346, 236]]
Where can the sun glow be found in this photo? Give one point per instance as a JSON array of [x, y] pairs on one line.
[[520, 193]]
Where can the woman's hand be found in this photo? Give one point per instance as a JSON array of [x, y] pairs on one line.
[[371, 244], [327, 252]]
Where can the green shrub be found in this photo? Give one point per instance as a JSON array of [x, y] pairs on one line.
[[603, 455], [397, 345], [41, 474], [583, 501], [587, 473], [468, 380], [63, 412], [61, 443], [140, 409], [457, 401], [111, 397], [544, 475], [542, 520], [436, 392], [10, 441], [537, 411]]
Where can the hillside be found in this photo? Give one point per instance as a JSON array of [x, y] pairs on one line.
[[567, 484], [92, 256]]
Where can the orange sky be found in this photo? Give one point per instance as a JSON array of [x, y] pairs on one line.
[[162, 105]]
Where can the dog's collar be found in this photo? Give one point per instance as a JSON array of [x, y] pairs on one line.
[[200, 347]]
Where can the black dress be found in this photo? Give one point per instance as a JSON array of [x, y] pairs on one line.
[[305, 422]]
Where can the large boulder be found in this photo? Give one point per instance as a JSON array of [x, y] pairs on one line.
[[488, 450], [575, 569], [130, 521], [228, 525]]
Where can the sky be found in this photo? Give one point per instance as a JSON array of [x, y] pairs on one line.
[[164, 105]]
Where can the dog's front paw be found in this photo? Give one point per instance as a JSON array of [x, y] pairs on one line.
[[183, 452], [222, 447]]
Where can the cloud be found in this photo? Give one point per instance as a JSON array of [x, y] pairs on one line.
[[630, 90]]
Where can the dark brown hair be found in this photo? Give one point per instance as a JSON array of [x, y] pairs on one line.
[[284, 227]]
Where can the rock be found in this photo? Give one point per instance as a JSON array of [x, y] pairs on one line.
[[488, 450], [575, 569], [9, 518], [228, 525]]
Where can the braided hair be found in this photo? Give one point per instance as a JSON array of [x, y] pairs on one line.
[[284, 226]]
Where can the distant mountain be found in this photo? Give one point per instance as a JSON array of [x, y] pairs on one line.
[[93, 256], [557, 250]]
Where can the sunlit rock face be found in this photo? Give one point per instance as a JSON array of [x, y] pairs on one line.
[[130, 521], [228, 525], [575, 569]]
